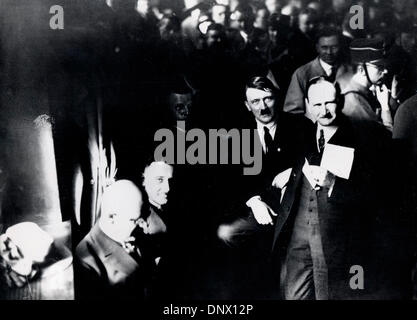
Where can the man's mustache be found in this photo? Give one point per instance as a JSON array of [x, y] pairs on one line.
[[265, 112], [326, 116]]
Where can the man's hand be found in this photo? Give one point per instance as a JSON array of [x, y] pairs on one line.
[[281, 179], [128, 244], [319, 177], [261, 211], [322, 177], [395, 87], [383, 95]]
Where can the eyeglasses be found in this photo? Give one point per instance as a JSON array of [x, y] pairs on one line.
[[379, 66]]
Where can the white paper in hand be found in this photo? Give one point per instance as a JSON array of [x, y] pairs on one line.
[[338, 160]]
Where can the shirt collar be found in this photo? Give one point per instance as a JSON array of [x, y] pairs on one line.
[[327, 67], [158, 206], [271, 126], [328, 132]]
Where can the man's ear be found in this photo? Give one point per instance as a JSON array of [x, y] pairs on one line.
[[112, 217], [307, 104], [143, 225], [247, 106]]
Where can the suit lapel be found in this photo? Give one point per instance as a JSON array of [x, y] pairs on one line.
[[344, 134], [318, 68], [112, 254], [288, 201]]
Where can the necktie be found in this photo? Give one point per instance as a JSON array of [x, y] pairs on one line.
[[321, 141], [332, 75], [268, 140]]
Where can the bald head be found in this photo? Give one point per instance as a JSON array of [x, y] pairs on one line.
[[322, 102], [120, 198], [120, 209]]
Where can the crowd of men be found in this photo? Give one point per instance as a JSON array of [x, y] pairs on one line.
[[331, 215]]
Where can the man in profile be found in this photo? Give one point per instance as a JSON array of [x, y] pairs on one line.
[[110, 264], [366, 97], [156, 181]]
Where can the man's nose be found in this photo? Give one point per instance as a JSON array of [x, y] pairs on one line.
[[165, 186], [323, 109], [262, 105]]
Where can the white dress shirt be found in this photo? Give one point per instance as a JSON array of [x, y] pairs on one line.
[[272, 127], [328, 132], [327, 67]]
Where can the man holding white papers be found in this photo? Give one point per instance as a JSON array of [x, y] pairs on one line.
[[325, 221]]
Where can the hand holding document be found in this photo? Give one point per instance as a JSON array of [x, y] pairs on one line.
[[336, 162], [317, 176]]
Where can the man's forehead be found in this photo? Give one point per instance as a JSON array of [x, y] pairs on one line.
[[323, 91], [219, 8], [252, 93], [333, 39], [159, 169], [237, 15], [180, 97]]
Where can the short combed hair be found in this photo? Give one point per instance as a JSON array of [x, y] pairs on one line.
[[321, 79], [261, 83], [327, 31]]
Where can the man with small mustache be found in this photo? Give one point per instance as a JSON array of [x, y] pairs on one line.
[[327, 223]]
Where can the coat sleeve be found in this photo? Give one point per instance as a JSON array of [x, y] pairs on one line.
[[89, 283], [294, 100], [357, 108]]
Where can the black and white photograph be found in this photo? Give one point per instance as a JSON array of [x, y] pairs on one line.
[[174, 152]]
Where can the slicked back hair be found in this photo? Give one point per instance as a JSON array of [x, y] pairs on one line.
[[261, 83]]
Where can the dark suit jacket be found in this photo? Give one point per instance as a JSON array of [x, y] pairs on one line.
[[288, 146], [347, 217], [105, 270]]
